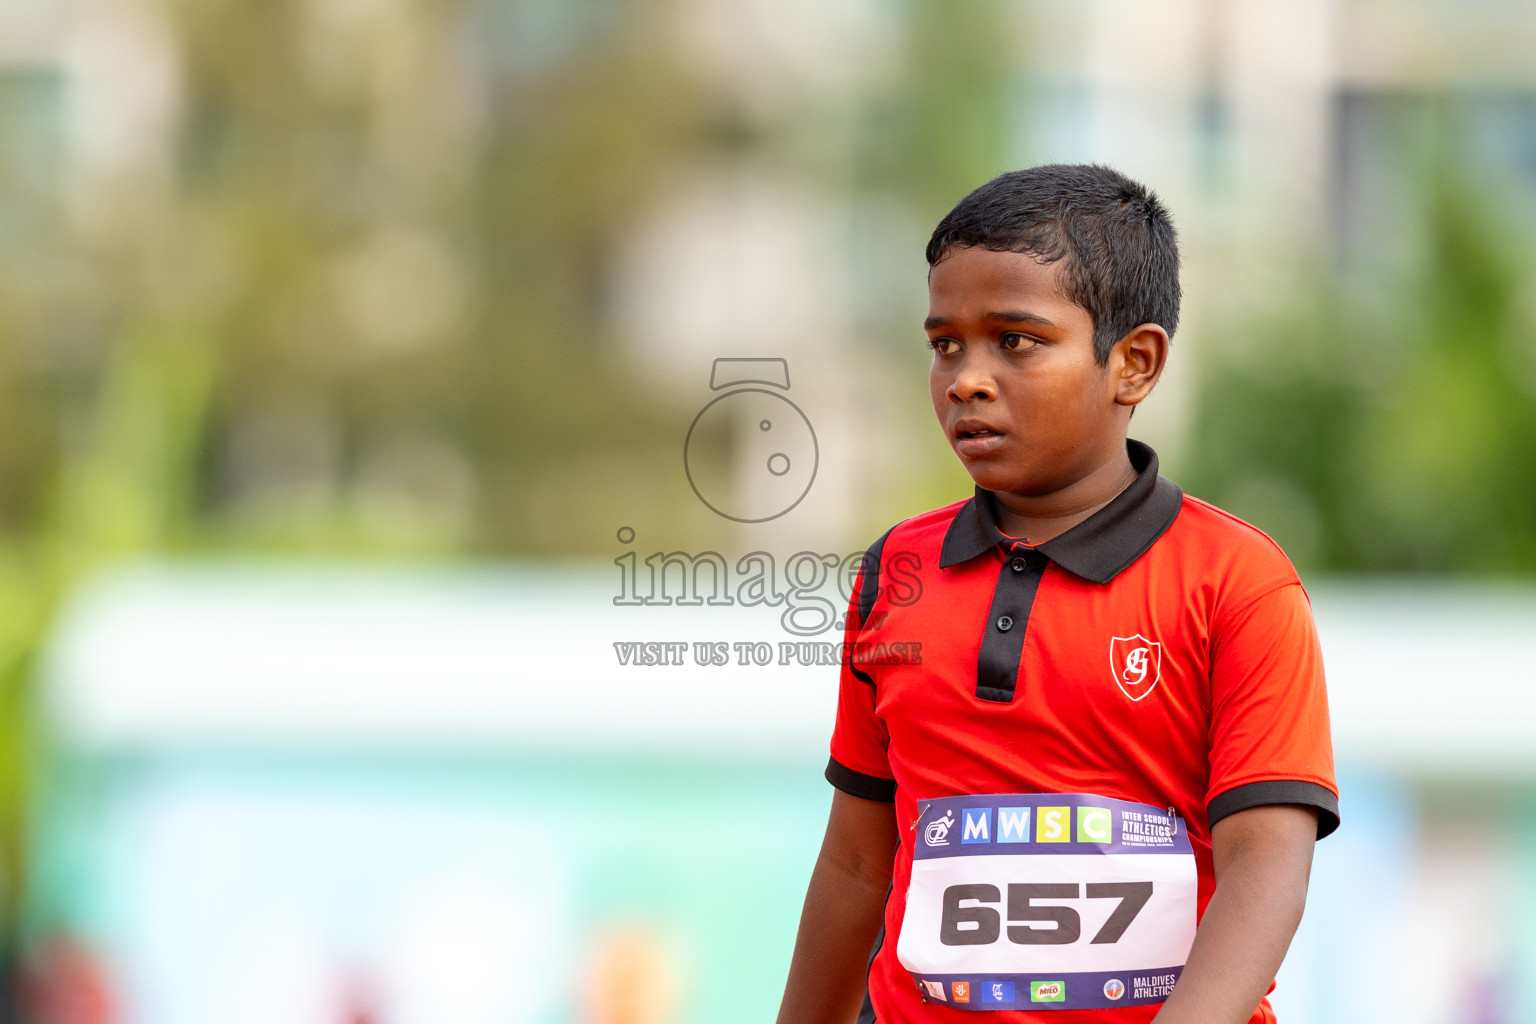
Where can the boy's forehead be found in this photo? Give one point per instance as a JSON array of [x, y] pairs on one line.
[[968, 278]]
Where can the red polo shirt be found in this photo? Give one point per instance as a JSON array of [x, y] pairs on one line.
[[1076, 717]]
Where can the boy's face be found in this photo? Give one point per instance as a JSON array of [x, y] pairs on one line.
[[1014, 382]]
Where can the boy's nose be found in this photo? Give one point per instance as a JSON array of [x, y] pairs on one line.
[[972, 382]]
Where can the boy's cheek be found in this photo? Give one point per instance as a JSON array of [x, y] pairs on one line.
[[938, 392]]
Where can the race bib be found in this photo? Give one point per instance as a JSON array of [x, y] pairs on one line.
[[1055, 901]]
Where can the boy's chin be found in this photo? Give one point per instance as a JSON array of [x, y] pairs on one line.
[[997, 478], [1005, 478]]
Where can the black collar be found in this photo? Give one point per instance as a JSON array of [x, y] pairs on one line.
[[1099, 547]]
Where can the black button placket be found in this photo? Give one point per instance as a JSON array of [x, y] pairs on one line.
[[1002, 643]]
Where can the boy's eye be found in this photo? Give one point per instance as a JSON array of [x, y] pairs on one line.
[[942, 346], [1013, 341]]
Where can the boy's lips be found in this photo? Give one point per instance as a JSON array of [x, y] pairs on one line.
[[974, 439]]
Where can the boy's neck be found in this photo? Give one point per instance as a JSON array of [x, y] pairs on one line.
[[1038, 518]]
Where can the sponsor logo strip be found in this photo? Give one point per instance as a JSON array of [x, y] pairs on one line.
[[1091, 991]]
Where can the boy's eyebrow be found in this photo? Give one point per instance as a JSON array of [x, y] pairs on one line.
[[1010, 316]]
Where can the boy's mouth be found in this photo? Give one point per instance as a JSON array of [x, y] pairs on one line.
[[976, 439], [973, 428]]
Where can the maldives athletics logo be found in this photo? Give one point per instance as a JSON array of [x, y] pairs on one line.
[[1137, 664]]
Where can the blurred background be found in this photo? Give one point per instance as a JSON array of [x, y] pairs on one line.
[[356, 367]]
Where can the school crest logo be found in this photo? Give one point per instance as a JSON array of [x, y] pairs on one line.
[[1137, 664]]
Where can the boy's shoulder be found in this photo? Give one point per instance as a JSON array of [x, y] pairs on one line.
[[1226, 538], [1227, 563], [917, 532]]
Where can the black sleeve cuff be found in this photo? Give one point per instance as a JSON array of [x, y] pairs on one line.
[[1280, 791], [866, 787]]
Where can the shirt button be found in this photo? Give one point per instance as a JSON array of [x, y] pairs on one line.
[[1018, 565], [1004, 623]]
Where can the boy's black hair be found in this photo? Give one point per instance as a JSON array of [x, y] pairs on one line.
[[1119, 251]]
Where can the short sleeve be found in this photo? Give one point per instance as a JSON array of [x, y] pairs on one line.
[[859, 765], [1269, 734]]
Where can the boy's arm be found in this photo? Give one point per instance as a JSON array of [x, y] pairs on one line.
[[841, 917], [1263, 858]]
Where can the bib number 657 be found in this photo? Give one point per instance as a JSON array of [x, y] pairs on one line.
[[968, 921]]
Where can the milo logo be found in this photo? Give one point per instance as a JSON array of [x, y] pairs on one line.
[[1047, 992]]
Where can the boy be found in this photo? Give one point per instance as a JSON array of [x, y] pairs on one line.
[[1118, 726]]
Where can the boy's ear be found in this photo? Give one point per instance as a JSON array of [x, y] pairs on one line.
[[1137, 361]]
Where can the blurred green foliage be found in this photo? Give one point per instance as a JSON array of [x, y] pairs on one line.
[[1385, 421]]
